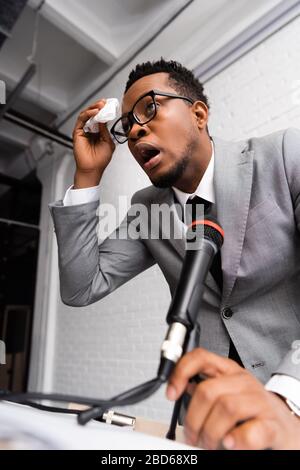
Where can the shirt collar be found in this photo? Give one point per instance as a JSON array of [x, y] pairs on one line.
[[205, 188]]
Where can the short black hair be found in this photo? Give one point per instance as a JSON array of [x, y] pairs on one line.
[[182, 79]]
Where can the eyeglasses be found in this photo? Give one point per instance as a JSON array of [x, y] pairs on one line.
[[143, 111]]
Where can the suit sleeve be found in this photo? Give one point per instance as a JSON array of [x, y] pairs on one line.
[[88, 270], [290, 364]]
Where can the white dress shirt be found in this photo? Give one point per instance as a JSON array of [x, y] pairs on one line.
[[81, 196], [284, 385]]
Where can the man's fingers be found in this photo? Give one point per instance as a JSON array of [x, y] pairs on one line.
[[105, 134], [84, 117], [255, 434], [206, 397], [229, 411], [89, 112], [198, 361]]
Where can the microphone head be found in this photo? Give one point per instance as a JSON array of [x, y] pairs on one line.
[[209, 228]]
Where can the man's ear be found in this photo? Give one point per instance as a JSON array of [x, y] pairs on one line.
[[201, 112]]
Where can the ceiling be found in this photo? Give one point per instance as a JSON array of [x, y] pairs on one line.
[[75, 45]]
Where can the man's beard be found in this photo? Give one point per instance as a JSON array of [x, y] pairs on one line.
[[175, 173]]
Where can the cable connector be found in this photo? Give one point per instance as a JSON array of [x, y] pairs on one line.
[[119, 419]]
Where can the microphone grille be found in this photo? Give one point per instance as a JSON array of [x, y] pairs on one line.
[[212, 230], [213, 234]]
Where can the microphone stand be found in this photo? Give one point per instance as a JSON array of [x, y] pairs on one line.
[[171, 434], [192, 312]]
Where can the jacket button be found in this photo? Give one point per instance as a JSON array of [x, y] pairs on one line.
[[227, 313]]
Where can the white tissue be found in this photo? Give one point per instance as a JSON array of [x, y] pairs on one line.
[[107, 113]]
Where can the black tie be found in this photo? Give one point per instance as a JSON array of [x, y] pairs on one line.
[[216, 270]]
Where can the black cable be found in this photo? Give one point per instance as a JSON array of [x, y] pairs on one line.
[[51, 409], [135, 389], [129, 399], [98, 407], [21, 397]]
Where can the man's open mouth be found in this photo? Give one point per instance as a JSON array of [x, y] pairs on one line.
[[148, 154], [146, 151]]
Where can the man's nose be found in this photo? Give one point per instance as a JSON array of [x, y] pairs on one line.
[[137, 131]]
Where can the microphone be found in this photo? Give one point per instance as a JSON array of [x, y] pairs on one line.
[[204, 239]]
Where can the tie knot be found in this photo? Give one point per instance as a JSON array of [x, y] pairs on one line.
[[199, 203], [195, 208]]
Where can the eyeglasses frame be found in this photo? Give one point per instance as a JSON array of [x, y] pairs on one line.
[[132, 117]]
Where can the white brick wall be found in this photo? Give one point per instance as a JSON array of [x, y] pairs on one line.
[[260, 93], [114, 344]]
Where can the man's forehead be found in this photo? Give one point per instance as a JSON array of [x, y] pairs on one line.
[[159, 81]]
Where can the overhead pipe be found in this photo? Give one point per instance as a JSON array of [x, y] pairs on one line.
[[14, 95], [44, 131]]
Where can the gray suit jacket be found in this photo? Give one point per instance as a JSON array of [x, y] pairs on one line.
[[257, 185]]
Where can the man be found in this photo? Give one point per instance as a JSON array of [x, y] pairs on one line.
[[250, 306]]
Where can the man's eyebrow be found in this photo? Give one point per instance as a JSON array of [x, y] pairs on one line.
[[136, 99]]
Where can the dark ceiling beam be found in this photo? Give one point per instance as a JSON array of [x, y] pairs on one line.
[[21, 85], [9, 13], [40, 129], [15, 182]]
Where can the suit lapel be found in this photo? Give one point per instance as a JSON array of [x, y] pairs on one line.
[[232, 181]]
